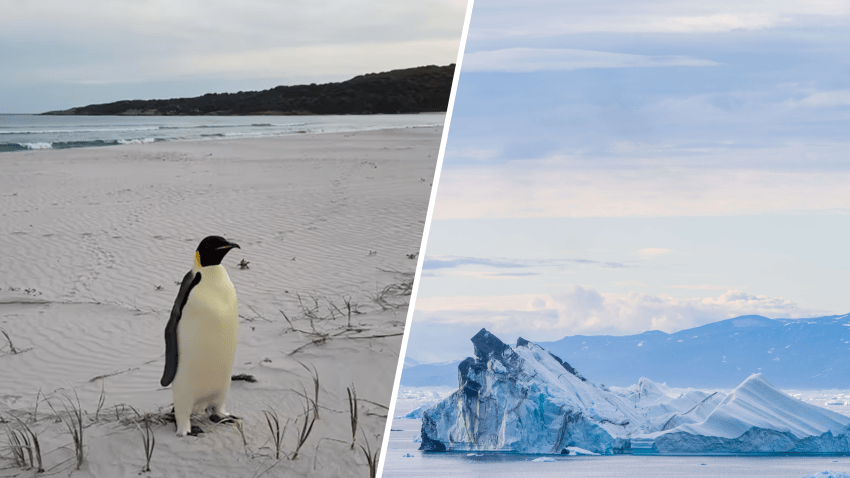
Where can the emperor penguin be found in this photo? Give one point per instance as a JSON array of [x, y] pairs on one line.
[[200, 338]]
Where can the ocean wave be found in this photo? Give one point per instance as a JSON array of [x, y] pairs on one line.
[[252, 125], [248, 134], [37, 145], [87, 130], [149, 127], [137, 141], [108, 129], [8, 147], [55, 136]]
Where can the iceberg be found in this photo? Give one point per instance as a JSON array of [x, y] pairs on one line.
[[416, 413], [758, 418], [525, 399]]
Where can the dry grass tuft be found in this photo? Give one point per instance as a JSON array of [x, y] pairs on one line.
[[352, 411], [25, 440], [74, 423], [100, 401], [306, 428], [371, 459], [350, 308], [394, 296], [162, 416], [274, 427], [17, 446], [314, 374], [12, 349], [148, 440]]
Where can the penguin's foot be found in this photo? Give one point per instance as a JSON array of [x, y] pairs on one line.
[[188, 429], [225, 419]]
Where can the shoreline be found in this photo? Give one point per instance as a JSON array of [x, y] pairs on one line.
[[42, 144], [192, 143]]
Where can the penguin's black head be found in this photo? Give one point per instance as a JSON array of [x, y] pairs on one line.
[[212, 250]]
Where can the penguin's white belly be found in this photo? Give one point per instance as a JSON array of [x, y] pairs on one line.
[[206, 336]]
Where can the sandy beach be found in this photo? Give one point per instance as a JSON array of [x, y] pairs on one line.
[[96, 240]]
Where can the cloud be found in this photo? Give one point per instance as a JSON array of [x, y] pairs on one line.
[[632, 283], [550, 189], [325, 63], [719, 22], [229, 27], [654, 251], [107, 42], [540, 19], [823, 99], [543, 59], [699, 287], [451, 262], [581, 310], [492, 275], [470, 303], [768, 105], [635, 119]]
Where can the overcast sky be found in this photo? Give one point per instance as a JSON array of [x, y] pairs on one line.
[[623, 166], [57, 55]]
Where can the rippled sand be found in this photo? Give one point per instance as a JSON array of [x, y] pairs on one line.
[[94, 241]]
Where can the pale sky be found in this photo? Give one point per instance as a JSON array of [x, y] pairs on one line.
[[56, 55], [618, 167]]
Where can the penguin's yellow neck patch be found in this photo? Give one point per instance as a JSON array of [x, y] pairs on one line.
[[197, 259]]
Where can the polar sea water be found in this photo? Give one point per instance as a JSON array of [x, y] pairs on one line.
[[20, 132], [403, 459]]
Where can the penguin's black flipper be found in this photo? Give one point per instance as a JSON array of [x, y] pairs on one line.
[[190, 280]]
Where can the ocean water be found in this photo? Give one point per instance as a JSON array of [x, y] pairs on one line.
[[404, 460], [498, 465], [28, 132]]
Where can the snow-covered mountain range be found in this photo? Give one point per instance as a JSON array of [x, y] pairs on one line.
[[802, 354], [525, 399]]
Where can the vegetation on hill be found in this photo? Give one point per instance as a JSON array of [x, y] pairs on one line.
[[412, 90]]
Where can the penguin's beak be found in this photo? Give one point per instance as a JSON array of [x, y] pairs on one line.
[[229, 246]]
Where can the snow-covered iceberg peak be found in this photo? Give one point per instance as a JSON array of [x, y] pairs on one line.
[[523, 398], [757, 403], [758, 418]]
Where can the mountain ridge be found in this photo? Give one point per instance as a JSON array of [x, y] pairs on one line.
[[422, 89], [805, 354]]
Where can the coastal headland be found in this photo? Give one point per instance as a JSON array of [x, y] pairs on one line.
[[412, 90]]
